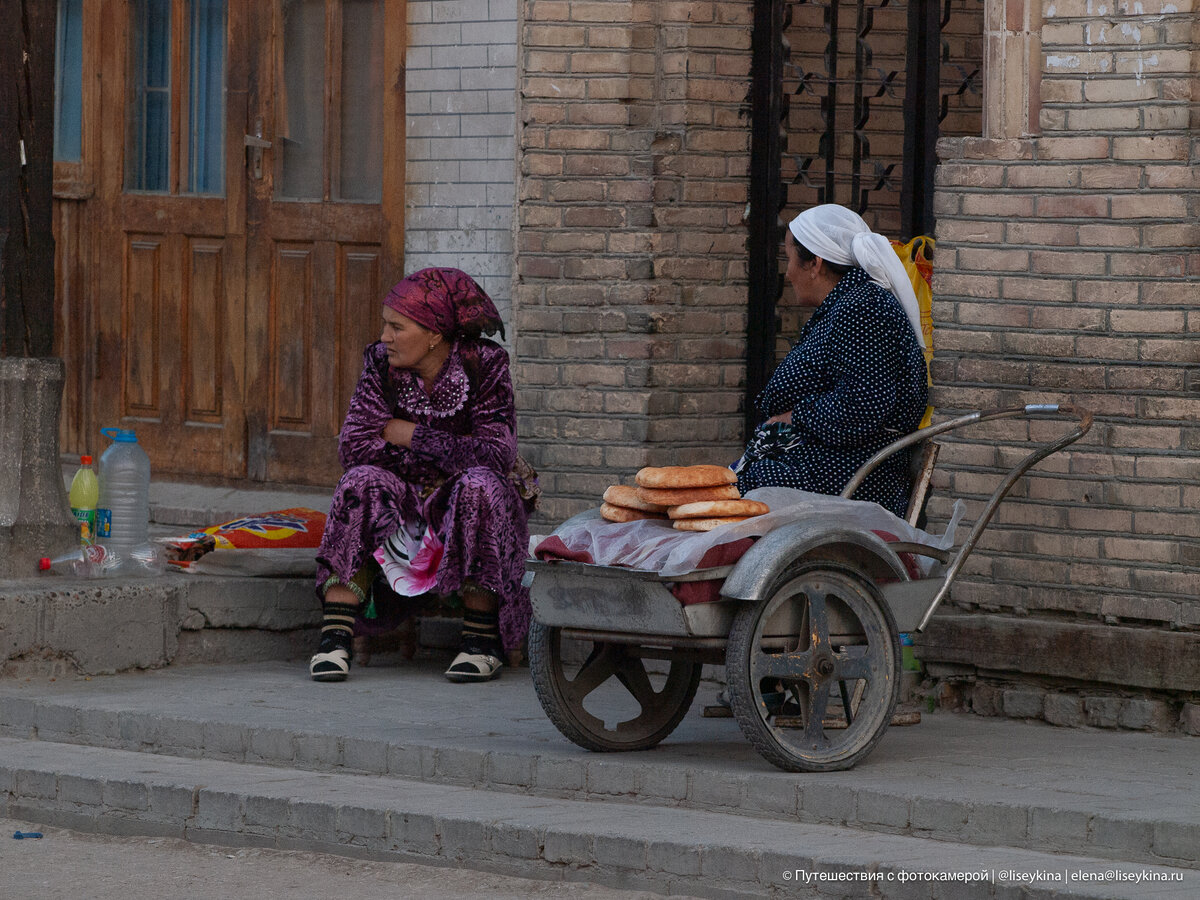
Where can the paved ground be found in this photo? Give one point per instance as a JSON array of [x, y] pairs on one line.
[[401, 766], [69, 865], [962, 758]]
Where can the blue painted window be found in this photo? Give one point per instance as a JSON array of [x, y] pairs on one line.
[[68, 83], [206, 101], [200, 158], [148, 155]]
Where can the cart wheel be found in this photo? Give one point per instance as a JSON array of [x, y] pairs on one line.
[[615, 678], [814, 669]]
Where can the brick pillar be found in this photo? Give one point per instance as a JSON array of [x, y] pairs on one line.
[[460, 97], [630, 285], [1066, 270], [1012, 68]]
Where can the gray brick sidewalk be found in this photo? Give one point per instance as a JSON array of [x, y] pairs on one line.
[[625, 844], [947, 790]]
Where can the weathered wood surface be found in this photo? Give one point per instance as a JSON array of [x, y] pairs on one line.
[[227, 329], [26, 177]]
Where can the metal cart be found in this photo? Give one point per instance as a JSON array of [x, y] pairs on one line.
[[807, 626]]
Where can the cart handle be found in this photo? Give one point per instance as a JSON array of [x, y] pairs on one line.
[[1084, 418]]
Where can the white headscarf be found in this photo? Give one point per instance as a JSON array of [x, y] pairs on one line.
[[840, 236]]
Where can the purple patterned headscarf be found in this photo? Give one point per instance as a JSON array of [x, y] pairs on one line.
[[447, 301]]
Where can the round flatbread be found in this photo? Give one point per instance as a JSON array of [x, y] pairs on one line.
[[707, 524], [680, 496], [684, 476], [626, 495], [707, 509], [613, 513]]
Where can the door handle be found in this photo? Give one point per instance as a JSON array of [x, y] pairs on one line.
[[256, 144]]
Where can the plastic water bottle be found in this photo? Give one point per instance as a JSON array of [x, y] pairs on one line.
[[84, 498], [85, 561], [123, 516]]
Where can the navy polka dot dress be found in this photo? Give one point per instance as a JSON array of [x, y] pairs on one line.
[[854, 382]]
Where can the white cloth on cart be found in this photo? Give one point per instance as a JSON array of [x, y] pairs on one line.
[[653, 545]]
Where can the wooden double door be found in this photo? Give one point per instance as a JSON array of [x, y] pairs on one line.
[[248, 216]]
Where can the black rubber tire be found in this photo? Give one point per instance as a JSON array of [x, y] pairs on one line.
[[661, 713], [811, 748]]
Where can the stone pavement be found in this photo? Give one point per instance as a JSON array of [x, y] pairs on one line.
[[397, 764], [148, 868]]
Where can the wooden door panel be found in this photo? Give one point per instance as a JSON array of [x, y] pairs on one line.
[[172, 214], [317, 267], [144, 264], [324, 310], [181, 346], [359, 296], [327, 222], [322, 332], [205, 342], [170, 296], [290, 344]]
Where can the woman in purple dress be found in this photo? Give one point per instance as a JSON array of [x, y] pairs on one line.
[[428, 445]]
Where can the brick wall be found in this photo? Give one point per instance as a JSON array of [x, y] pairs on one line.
[[630, 285], [1066, 271], [460, 100]]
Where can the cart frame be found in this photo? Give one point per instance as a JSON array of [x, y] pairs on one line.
[[807, 607]]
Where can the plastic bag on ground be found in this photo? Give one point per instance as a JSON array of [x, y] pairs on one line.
[[279, 543]]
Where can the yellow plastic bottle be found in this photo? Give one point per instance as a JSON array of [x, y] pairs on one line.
[[84, 496]]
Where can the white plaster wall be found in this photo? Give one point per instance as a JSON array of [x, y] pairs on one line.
[[461, 150]]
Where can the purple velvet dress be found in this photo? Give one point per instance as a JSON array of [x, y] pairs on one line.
[[453, 478]]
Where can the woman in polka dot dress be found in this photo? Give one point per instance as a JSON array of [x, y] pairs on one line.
[[856, 378]]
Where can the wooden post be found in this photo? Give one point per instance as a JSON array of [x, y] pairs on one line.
[[34, 517], [27, 39]]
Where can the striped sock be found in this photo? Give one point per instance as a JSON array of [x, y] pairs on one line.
[[481, 632], [337, 626]]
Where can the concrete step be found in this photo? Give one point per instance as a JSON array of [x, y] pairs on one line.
[[182, 506], [89, 627], [61, 625], [186, 506], [957, 779], [702, 853], [67, 626]]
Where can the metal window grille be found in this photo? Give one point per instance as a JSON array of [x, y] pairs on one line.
[[848, 99]]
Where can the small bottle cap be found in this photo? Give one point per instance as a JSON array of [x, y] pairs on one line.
[[43, 564], [85, 460]]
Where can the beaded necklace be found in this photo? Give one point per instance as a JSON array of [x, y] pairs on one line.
[[449, 394]]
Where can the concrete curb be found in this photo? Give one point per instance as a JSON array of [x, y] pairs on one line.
[[918, 810], [628, 845]]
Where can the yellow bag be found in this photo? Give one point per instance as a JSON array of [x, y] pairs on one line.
[[920, 273]]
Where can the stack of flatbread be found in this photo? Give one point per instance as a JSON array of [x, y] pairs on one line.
[[694, 498], [622, 504]]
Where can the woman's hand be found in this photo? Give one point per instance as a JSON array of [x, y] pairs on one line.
[[399, 432], [782, 417]]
